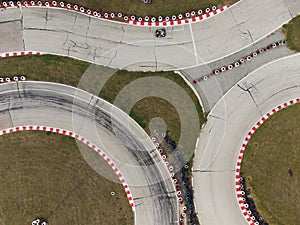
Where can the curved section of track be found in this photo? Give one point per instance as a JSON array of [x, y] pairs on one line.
[[240, 192], [121, 45], [81, 139], [111, 130], [230, 120]]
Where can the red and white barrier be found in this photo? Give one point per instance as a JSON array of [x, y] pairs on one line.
[[244, 59], [178, 20], [239, 190], [104, 155], [10, 54], [12, 79], [160, 21], [172, 176]]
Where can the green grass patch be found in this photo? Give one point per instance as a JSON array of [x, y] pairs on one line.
[[156, 8], [292, 33], [271, 152], [45, 176], [69, 71]]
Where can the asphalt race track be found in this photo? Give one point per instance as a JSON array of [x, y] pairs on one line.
[[120, 45], [49, 104], [221, 138]]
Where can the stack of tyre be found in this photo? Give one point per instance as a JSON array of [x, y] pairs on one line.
[[39, 222]]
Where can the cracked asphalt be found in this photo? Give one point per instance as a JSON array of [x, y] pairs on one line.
[[228, 122], [211, 90], [195, 49], [121, 45]]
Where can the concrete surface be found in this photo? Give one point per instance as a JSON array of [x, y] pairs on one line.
[[49, 104], [228, 123], [211, 90], [117, 45]]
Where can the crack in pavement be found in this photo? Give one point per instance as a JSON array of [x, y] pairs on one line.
[[116, 49], [11, 21], [217, 117], [46, 18], [155, 57], [9, 113], [45, 29], [22, 29], [248, 90], [250, 35], [290, 12], [212, 171], [75, 18], [238, 26], [18, 90]]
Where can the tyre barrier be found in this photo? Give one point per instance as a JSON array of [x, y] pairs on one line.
[[14, 79], [170, 168], [247, 207], [163, 21], [84, 141], [242, 60], [153, 19], [132, 17]]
